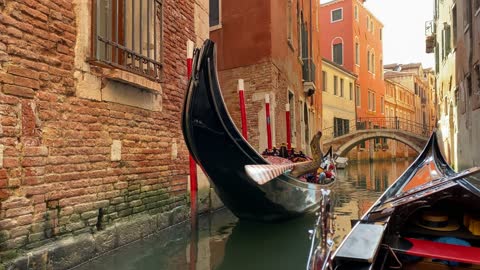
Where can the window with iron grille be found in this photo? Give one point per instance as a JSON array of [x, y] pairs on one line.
[[128, 35]]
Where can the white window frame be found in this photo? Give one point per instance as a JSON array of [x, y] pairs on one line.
[[331, 15], [219, 25]]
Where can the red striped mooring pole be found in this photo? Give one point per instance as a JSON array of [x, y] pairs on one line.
[[193, 165], [289, 128], [269, 129], [243, 113]]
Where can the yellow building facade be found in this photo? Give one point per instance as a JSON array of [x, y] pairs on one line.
[[338, 94], [446, 82], [399, 105]]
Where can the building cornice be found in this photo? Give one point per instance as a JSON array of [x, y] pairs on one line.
[[339, 68]]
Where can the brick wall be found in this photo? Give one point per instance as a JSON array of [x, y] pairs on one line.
[[70, 164], [260, 79]]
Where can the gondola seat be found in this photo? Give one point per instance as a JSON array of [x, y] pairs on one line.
[[442, 251]]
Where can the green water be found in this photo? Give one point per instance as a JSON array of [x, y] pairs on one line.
[[223, 242]]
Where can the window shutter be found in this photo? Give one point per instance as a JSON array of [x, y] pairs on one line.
[[304, 41], [448, 40]]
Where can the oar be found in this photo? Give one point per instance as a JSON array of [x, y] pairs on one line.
[[266, 172]]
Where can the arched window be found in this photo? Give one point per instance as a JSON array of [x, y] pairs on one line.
[[337, 51]]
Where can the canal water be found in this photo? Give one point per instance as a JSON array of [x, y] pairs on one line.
[[222, 242]]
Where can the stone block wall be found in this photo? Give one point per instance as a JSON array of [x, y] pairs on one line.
[[84, 146]]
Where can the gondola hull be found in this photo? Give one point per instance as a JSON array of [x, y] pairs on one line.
[[428, 186], [219, 148]]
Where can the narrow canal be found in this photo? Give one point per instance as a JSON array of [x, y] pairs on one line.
[[223, 242]]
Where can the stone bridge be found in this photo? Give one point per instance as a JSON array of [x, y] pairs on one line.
[[412, 134]]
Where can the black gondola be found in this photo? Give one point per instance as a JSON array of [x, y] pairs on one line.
[[219, 148], [427, 219]]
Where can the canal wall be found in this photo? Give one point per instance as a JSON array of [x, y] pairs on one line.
[[91, 151], [71, 251]]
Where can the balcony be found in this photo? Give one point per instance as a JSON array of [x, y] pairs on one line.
[[430, 44], [430, 36], [308, 76]]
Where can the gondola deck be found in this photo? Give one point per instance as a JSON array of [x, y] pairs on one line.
[[427, 205]]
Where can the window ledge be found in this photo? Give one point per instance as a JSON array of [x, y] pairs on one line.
[[119, 86], [215, 27], [132, 79]]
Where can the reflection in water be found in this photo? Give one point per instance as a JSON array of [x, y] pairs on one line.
[[268, 246], [224, 243], [365, 184]]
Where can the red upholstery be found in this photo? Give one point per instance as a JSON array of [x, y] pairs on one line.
[[430, 249]]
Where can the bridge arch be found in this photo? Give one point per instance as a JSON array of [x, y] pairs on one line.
[[352, 141]]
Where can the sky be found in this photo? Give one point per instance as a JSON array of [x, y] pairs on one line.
[[404, 29]]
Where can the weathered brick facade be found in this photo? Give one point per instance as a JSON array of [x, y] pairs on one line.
[[74, 158], [262, 78], [270, 54]]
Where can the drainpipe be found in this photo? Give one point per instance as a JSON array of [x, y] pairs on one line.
[[310, 54]]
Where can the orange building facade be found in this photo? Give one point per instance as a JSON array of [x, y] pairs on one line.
[[274, 47], [350, 28], [351, 37]]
